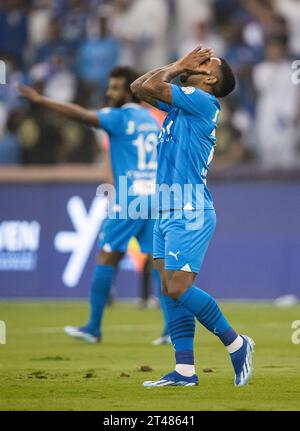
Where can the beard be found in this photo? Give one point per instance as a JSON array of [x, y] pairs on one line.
[[116, 103]]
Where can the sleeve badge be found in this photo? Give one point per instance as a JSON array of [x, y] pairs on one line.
[[188, 90]]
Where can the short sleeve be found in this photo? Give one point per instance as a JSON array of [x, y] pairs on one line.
[[191, 99], [164, 106], [110, 120]]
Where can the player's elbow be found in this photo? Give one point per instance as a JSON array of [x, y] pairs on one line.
[[136, 89], [149, 89]]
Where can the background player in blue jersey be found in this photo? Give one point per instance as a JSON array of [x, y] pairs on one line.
[[133, 135], [187, 219]]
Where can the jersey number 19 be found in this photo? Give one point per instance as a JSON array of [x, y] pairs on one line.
[[146, 145]]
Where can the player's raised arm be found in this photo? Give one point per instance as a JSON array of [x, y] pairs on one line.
[[158, 85], [70, 110], [137, 86]]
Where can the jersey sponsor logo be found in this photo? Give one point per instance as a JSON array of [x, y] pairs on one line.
[[19, 244], [80, 241], [168, 127], [188, 90]]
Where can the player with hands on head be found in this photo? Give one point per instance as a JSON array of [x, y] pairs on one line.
[[189, 91]]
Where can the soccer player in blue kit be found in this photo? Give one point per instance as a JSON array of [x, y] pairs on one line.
[[185, 226], [133, 134]]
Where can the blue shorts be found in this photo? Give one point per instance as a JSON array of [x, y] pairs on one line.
[[183, 238], [115, 234]]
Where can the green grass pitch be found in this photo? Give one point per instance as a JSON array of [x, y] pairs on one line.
[[43, 369]]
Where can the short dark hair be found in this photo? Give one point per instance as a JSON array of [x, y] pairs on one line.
[[226, 83], [129, 74]]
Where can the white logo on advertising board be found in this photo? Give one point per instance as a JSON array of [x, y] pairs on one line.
[[19, 244], [80, 242]]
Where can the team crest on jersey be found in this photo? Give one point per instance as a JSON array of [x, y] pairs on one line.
[[188, 90]]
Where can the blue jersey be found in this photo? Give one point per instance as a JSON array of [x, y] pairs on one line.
[[133, 134], [186, 148]]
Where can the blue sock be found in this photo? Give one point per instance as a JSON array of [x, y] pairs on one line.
[[163, 304], [207, 311], [99, 293], [182, 331]]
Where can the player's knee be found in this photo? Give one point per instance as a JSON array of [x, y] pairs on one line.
[[174, 289], [110, 259], [164, 289], [177, 282]]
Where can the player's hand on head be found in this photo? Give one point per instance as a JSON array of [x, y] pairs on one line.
[[192, 61], [205, 54], [28, 92]]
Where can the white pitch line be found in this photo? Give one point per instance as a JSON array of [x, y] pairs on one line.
[[57, 330]]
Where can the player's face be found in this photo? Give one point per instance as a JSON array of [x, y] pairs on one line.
[[116, 93], [207, 70]]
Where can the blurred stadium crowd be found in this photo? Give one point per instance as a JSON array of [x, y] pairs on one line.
[[66, 48]]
